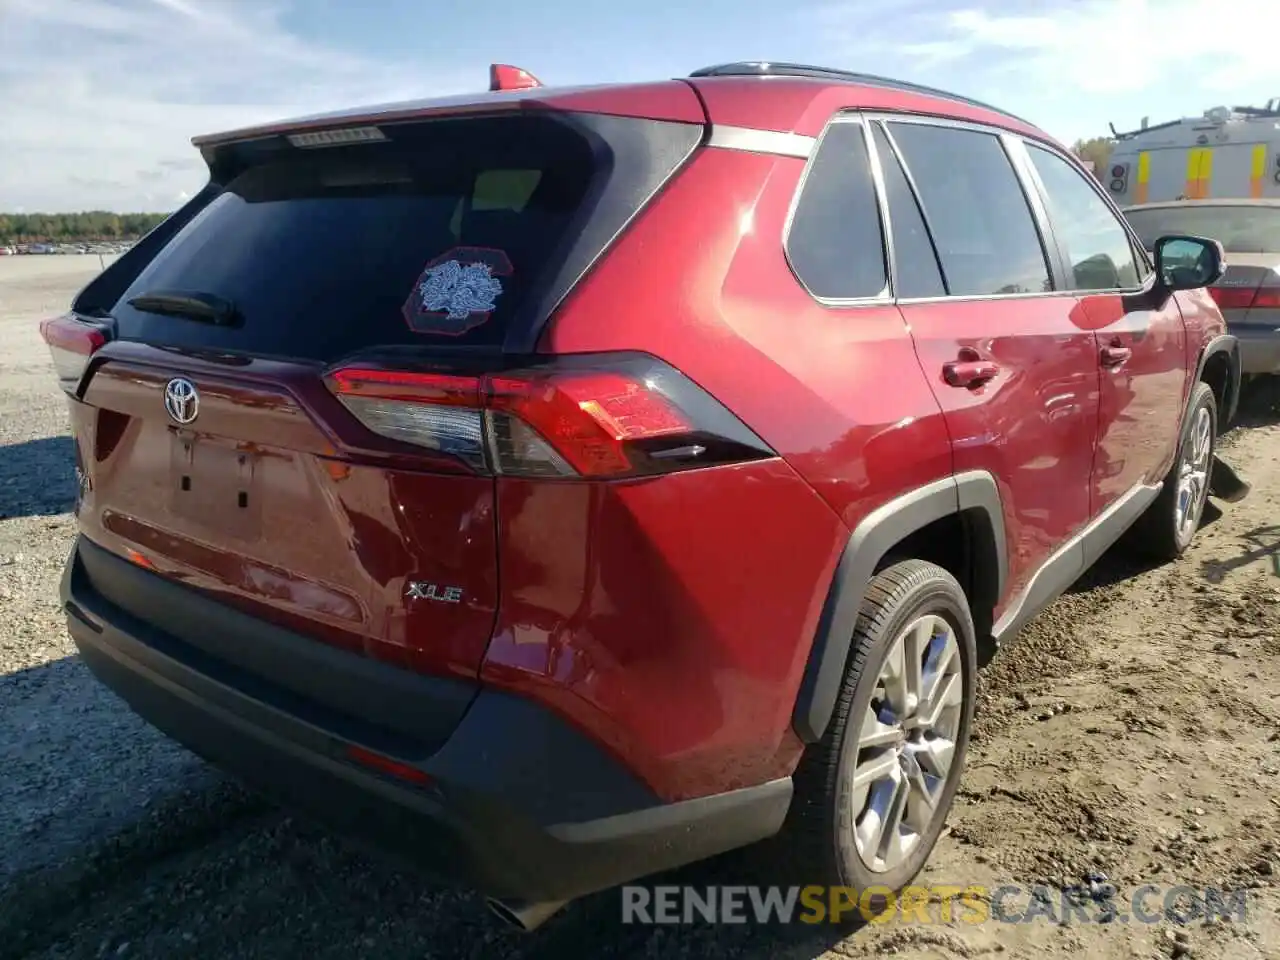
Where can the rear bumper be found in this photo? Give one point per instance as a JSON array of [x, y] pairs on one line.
[[514, 803]]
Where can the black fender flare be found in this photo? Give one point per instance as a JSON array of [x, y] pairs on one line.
[[1228, 344], [974, 495]]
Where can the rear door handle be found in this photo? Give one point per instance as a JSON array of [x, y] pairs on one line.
[[969, 373], [1114, 356]]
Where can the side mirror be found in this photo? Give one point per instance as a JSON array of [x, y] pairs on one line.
[[1187, 263]]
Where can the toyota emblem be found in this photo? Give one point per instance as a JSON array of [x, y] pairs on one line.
[[181, 400]]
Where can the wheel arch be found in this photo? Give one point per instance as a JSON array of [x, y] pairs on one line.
[[967, 505], [1219, 366]]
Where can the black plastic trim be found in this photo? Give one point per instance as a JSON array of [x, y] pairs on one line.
[[978, 498], [1223, 343], [974, 494], [516, 804], [342, 692]]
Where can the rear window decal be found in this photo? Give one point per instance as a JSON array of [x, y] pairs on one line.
[[457, 291], [460, 290]]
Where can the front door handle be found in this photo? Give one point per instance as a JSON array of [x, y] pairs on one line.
[[1115, 355], [969, 373]]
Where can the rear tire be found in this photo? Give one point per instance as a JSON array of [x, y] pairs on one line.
[[872, 796], [1168, 526]]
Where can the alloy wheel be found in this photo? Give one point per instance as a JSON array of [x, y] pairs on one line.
[[1193, 475], [906, 742]]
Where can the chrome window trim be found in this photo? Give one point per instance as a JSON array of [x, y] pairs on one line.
[[1043, 295], [882, 202], [887, 119], [925, 119], [885, 296], [1135, 245], [751, 140], [915, 195], [1033, 192]]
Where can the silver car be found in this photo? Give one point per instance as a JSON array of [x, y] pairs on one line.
[[1249, 292]]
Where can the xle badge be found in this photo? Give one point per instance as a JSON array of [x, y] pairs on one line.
[[421, 590]]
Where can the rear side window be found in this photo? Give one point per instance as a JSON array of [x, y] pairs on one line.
[[916, 270], [434, 237], [1097, 245], [982, 225], [836, 244]]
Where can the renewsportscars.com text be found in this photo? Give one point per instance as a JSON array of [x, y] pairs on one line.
[[935, 904]]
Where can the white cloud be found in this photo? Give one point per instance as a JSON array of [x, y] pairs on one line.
[[1113, 46], [1072, 65], [99, 98]]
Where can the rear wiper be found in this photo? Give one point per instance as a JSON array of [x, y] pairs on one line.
[[188, 304]]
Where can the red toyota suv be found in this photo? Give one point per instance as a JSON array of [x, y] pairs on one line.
[[562, 485]]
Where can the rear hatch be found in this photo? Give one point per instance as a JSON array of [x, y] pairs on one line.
[[246, 382]]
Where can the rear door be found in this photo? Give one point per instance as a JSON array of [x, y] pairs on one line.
[[1141, 344], [218, 443], [1010, 360]]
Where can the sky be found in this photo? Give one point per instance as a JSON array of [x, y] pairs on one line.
[[99, 98]]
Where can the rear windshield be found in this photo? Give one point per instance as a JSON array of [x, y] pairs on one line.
[[1240, 229], [433, 237]]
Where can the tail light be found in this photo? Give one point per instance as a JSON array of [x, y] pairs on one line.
[[1243, 298], [72, 343], [600, 417]]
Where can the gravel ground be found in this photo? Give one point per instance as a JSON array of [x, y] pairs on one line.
[[1132, 731], [77, 767]]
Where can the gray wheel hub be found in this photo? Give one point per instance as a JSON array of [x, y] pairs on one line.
[[906, 742], [1193, 475]]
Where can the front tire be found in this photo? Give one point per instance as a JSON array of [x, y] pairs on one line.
[[1168, 526], [872, 796]]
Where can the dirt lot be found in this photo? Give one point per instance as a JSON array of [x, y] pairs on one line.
[[1130, 736]]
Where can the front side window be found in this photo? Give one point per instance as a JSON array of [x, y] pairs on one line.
[[836, 243], [1098, 247], [982, 226]]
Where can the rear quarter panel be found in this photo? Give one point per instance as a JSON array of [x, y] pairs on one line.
[[1204, 323], [701, 281]]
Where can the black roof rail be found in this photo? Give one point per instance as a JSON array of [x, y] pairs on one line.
[[768, 68]]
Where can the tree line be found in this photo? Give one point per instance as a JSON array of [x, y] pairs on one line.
[[1098, 150], [74, 227]]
